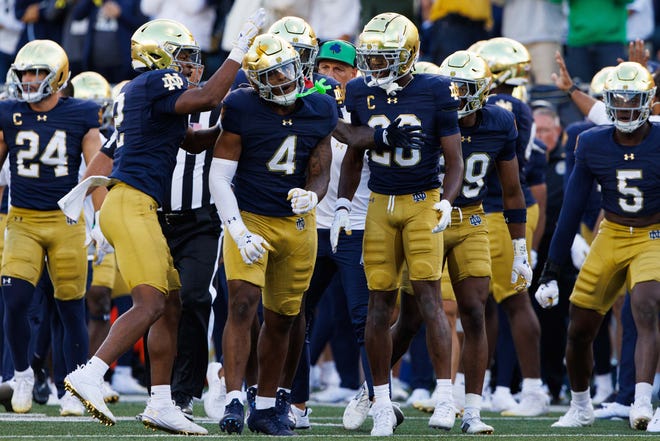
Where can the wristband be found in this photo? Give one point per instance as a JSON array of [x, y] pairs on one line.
[[237, 55], [379, 139], [572, 89], [516, 216], [343, 203], [550, 272]]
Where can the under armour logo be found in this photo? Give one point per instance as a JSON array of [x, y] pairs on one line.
[[6, 281], [171, 82], [466, 139], [42, 117], [287, 122], [393, 100], [629, 157]]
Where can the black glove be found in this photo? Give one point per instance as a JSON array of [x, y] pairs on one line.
[[395, 135], [550, 272]]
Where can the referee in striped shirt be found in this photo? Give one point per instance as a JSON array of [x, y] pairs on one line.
[[191, 225]]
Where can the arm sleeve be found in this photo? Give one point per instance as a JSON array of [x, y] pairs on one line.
[[598, 114], [576, 195], [220, 176], [110, 146]]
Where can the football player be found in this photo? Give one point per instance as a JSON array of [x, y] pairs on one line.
[[509, 61], [151, 123], [405, 202], [278, 161], [489, 138], [626, 249], [45, 137]]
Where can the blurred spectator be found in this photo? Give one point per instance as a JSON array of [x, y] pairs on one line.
[[10, 32], [596, 35], [43, 19], [108, 44], [335, 19], [541, 26], [371, 8], [457, 24], [640, 22]]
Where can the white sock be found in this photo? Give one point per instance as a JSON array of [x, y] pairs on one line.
[[26, 373], [382, 395], [96, 367], [581, 399], [444, 388], [264, 402], [531, 385], [643, 393], [161, 394], [472, 406], [237, 394]]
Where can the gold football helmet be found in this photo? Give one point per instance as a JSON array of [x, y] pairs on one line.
[[166, 44], [92, 86], [387, 49], [274, 70], [39, 56], [628, 93], [508, 60], [471, 77], [116, 90], [425, 67], [301, 36], [598, 82]]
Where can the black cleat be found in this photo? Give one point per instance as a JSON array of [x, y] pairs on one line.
[[41, 390], [267, 421], [232, 420]]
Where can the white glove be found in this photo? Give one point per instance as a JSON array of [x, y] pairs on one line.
[[341, 221], [547, 295], [579, 251], [444, 208], [521, 268], [100, 242], [252, 247], [302, 201], [534, 258], [249, 30]]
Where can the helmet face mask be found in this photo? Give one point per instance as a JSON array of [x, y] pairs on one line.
[[167, 44], [471, 80], [301, 36], [628, 92], [274, 69], [387, 49], [46, 67]]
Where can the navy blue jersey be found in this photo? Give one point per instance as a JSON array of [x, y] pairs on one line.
[[592, 210], [628, 176], [149, 133], [45, 149], [426, 101], [535, 168], [492, 139], [524, 122], [275, 148]]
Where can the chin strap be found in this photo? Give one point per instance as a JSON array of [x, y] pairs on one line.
[[391, 88]]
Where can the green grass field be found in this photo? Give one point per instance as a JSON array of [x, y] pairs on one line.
[[44, 423]]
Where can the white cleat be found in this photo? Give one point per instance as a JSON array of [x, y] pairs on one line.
[[576, 417], [127, 385], [654, 424], [357, 410], [475, 426], [71, 406], [502, 400], [170, 419], [90, 392], [418, 395], [531, 404], [612, 411], [300, 418], [443, 416], [398, 390], [640, 415], [109, 394], [334, 394], [384, 421], [428, 404], [214, 398], [21, 400]]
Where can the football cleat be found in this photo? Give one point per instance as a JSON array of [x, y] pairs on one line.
[[71, 406], [640, 415], [6, 392], [283, 407], [357, 409], [21, 399], [41, 390], [169, 418], [268, 422], [443, 416], [384, 421], [531, 404], [233, 419], [475, 426], [214, 398], [300, 417], [90, 392], [109, 394], [612, 411], [576, 417]]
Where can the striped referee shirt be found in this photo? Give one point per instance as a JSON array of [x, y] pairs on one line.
[[190, 180]]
